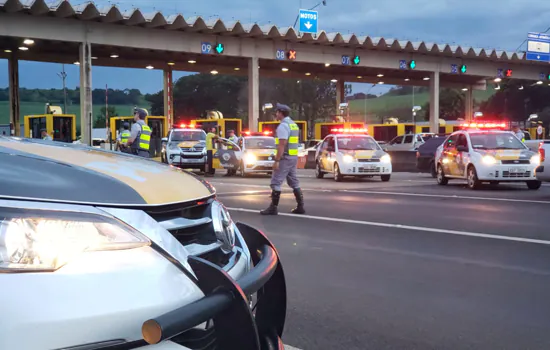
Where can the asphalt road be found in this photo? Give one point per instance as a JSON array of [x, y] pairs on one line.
[[408, 264]]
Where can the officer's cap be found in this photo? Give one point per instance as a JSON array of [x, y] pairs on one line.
[[126, 125], [282, 107], [142, 113], [231, 131]]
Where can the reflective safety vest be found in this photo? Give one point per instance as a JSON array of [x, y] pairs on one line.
[[233, 139], [144, 138], [291, 147], [124, 136]]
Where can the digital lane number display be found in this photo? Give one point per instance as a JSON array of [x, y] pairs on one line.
[[206, 48], [280, 55], [346, 61]]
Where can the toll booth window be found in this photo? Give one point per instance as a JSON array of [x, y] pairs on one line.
[[37, 124], [441, 129], [62, 129], [156, 127], [425, 129], [385, 133], [409, 129], [231, 125]]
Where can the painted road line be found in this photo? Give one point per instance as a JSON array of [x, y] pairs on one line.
[[447, 196], [406, 227], [288, 347]]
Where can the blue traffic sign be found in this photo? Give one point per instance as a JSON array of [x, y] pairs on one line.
[[500, 73], [454, 69], [346, 61], [538, 47], [308, 21], [402, 64], [206, 47], [280, 55]]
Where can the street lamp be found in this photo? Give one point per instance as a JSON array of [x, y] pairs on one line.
[[366, 98], [414, 110]]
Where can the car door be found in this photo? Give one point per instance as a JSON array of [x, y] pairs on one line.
[[448, 155], [408, 143], [330, 154], [322, 154], [462, 155]]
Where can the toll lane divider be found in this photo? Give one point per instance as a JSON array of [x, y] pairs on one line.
[[402, 161]]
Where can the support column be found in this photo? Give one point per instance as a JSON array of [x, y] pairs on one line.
[[469, 104], [86, 117], [13, 72], [168, 97], [434, 102], [253, 93], [340, 93]]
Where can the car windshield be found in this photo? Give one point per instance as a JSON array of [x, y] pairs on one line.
[[188, 135], [352, 143], [504, 140], [260, 143]]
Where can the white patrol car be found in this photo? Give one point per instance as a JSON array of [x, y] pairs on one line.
[[483, 153], [258, 153], [352, 154], [185, 148]]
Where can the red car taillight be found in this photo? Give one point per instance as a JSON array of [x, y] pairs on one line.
[[542, 153]]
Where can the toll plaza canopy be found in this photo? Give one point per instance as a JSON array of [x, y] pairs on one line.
[[89, 35]]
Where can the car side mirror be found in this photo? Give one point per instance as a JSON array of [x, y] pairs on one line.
[[462, 148], [164, 139]]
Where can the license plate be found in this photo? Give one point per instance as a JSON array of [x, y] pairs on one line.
[[517, 170], [369, 167]]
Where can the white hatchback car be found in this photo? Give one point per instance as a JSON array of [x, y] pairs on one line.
[[352, 154]]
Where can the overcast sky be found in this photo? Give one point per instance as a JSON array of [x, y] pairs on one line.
[[500, 24]]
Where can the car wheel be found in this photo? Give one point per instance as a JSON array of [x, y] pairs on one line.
[[337, 174], [385, 178], [433, 172], [318, 172], [441, 178], [473, 181], [534, 184]]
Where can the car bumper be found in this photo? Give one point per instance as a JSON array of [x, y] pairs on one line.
[[506, 172], [259, 166], [365, 169], [542, 173], [180, 160]]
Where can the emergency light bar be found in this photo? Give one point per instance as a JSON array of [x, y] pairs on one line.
[[264, 133], [190, 126], [484, 125], [349, 131]]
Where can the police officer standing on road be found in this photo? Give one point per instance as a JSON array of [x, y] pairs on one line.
[[233, 138], [140, 136], [123, 138], [211, 137], [286, 161]]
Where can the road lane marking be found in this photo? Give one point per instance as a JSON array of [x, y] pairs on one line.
[[454, 196], [288, 347], [406, 227]]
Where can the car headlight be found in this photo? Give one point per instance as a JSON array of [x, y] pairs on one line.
[[173, 146], [250, 158], [385, 158], [488, 160], [535, 159], [223, 226], [43, 241], [348, 159]]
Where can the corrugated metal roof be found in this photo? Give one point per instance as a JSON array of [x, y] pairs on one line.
[[113, 14]]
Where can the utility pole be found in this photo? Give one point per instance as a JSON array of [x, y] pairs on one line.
[[63, 77]]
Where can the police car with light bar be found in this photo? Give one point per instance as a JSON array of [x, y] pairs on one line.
[[484, 152], [258, 152], [185, 147], [351, 152]]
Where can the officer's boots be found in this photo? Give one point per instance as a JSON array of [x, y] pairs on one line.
[[300, 200], [272, 209]]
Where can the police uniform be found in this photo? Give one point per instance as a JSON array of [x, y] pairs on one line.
[[123, 138], [288, 162], [141, 135]]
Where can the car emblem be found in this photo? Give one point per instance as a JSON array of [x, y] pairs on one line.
[[223, 227], [226, 156], [270, 158]]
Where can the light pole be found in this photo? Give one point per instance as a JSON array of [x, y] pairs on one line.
[[63, 77], [366, 98]]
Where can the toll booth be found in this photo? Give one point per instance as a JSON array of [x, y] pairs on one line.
[[386, 132], [272, 126], [61, 127], [324, 129], [223, 125], [158, 125]]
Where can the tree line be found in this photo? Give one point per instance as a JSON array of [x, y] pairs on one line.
[[55, 96]]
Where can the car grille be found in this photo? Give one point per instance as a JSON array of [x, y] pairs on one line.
[[194, 149], [518, 161], [192, 156], [508, 174], [367, 171], [371, 160]]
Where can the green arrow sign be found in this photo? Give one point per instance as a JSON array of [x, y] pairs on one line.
[[356, 60], [412, 64], [463, 68], [219, 48]]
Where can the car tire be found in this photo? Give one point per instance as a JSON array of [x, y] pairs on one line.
[[440, 176], [318, 172], [473, 181], [433, 172], [534, 184], [337, 174], [385, 178]]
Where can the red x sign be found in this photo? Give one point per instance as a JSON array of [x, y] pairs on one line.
[[508, 73], [291, 54]]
